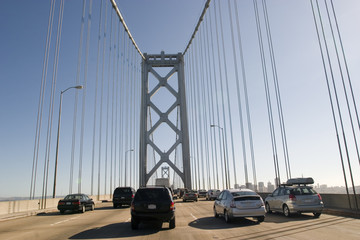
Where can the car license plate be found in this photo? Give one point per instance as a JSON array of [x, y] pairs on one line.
[[122, 197], [68, 203], [151, 206], [308, 200]]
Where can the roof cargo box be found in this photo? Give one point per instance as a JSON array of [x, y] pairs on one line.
[[295, 181]]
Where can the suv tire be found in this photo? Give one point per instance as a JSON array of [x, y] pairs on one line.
[[134, 224], [172, 223]]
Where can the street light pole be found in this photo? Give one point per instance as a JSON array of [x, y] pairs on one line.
[[130, 150], [58, 135], [223, 139]]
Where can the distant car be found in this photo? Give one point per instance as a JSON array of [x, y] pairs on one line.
[[212, 194], [235, 203], [123, 196], [295, 197], [76, 203], [190, 196], [152, 203], [202, 193]]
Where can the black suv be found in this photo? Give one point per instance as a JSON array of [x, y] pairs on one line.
[[153, 203], [123, 196]]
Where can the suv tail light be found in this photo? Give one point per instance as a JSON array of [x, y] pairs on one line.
[[61, 203], [319, 196], [292, 197], [232, 204], [132, 196], [172, 206]]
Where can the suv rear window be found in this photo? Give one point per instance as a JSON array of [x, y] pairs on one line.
[[122, 190], [303, 191], [152, 194]]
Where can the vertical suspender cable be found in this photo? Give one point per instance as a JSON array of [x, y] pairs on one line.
[[107, 106], [225, 178], [248, 116], [112, 148], [84, 97], [195, 79], [210, 101], [237, 80], [268, 99], [95, 102], [51, 106], [277, 91], [331, 101], [228, 104], [343, 83], [205, 122], [117, 105], [101, 98], [337, 104], [41, 101], [200, 117], [216, 99], [122, 118], [76, 98], [346, 65]]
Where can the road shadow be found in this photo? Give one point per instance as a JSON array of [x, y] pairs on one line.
[[121, 230], [276, 217], [208, 223]]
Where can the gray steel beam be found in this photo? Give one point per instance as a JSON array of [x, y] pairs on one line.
[[149, 62]]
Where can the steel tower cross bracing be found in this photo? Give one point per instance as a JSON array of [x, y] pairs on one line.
[[176, 62]]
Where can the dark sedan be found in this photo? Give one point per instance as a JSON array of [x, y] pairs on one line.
[[76, 203]]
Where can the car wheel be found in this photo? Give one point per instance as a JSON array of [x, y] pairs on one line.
[[267, 207], [215, 213], [260, 219], [62, 211], [172, 223], [227, 217], [115, 206], [286, 211], [83, 209], [184, 200], [92, 207], [316, 214], [134, 224]]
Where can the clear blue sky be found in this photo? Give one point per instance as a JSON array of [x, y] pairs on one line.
[[166, 25]]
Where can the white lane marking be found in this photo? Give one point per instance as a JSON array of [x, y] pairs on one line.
[[195, 218], [66, 220]]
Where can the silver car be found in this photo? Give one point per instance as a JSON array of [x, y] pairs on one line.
[[212, 194], [297, 198], [235, 203]]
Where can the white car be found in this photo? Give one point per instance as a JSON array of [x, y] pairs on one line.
[[236, 203]]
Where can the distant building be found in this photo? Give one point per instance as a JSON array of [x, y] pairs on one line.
[[262, 187], [270, 187], [236, 186], [250, 186]]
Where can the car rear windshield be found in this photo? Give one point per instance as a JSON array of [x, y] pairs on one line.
[[243, 193], [153, 194], [122, 190], [303, 191]]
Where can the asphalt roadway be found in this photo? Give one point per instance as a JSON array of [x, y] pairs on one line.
[[194, 220]]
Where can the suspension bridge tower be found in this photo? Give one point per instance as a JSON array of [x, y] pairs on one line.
[[150, 64]]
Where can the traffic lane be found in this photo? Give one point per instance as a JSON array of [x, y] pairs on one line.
[[195, 220], [61, 226]]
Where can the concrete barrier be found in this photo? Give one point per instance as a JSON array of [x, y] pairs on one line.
[[11, 207]]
